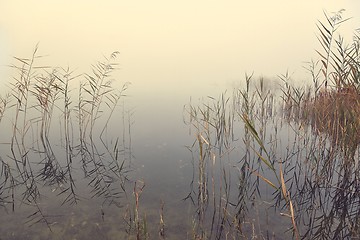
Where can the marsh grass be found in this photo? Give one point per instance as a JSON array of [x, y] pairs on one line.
[[135, 222], [302, 145], [337, 114], [333, 107], [41, 108], [225, 190], [266, 165]]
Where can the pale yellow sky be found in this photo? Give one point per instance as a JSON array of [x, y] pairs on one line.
[[170, 41]]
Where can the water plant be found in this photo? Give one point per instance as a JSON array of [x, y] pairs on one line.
[[331, 111], [333, 108], [266, 164], [307, 159], [41, 106]]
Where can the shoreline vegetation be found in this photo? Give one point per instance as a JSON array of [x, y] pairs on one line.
[[265, 164], [334, 106], [318, 165]]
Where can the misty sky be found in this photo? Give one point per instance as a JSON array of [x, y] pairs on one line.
[[170, 41]]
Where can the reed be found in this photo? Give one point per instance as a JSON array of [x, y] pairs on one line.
[[213, 128], [136, 226], [162, 224], [330, 110], [93, 95], [303, 172], [41, 106], [223, 210], [265, 164], [333, 107]]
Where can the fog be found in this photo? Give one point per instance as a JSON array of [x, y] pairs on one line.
[[185, 42]]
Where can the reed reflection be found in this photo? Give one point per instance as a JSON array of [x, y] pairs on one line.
[[58, 143]]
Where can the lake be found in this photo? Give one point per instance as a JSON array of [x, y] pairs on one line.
[[166, 138]]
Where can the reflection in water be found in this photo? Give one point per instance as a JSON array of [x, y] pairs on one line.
[[226, 185], [257, 175], [258, 170], [43, 111]]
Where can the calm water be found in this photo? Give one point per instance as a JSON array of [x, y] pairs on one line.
[[171, 64], [193, 168]]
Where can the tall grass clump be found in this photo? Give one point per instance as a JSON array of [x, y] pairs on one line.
[[234, 150], [330, 108], [333, 107], [47, 150], [300, 163]]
